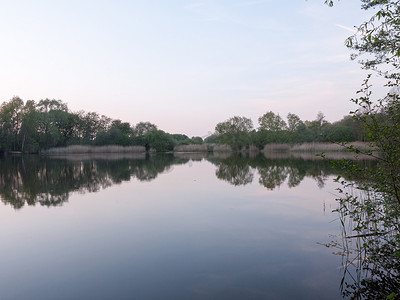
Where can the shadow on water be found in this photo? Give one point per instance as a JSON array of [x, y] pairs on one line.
[[35, 180]]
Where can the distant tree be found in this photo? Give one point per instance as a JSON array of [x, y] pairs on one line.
[[337, 133], [10, 123], [316, 127], [273, 129], [29, 129], [234, 132], [196, 140], [53, 118], [212, 139], [142, 128], [119, 133], [356, 127], [295, 127], [158, 140], [272, 122], [181, 139], [294, 122]]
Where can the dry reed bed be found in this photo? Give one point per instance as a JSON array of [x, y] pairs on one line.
[[100, 156], [81, 149], [222, 148], [315, 147], [191, 148], [312, 156]]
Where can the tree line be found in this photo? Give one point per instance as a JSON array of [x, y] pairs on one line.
[[33, 126], [239, 132]]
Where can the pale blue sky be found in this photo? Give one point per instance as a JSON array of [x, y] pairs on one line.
[[184, 65]]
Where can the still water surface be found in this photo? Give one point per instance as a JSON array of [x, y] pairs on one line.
[[186, 226]]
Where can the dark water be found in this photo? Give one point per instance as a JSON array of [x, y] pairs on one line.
[[184, 226]]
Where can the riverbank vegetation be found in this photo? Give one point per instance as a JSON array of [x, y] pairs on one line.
[[369, 202], [32, 127]]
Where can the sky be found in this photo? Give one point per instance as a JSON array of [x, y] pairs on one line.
[[184, 65]]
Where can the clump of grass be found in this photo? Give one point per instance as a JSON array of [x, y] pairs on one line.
[[191, 148], [81, 149]]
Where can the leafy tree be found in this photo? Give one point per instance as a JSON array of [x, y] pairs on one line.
[[337, 133], [196, 140], [142, 128], [29, 130], [375, 209], [378, 41], [158, 140], [294, 122], [316, 127], [212, 139], [181, 139], [234, 132], [356, 128], [272, 122], [119, 133], [10, 123], [272, 129], [53, 123], [297, 131]]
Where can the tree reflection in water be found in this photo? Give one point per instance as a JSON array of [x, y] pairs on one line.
[[273, 170], [49, 181], [371, 264]]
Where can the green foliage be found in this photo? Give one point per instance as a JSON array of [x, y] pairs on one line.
[[234, 132], [181, 139], [212, 139], [142, 128], [370, 202], [273, 129], [271, 122], [317, 126], [33, 126], [196, 140], [158, 140]]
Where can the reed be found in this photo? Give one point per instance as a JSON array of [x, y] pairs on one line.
[[277, 147], [222, 148], [101, 156], [81, 149], [191, 148], [315, 147]]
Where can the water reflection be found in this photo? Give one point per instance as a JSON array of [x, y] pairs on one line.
[[35, 180], [273, 172]]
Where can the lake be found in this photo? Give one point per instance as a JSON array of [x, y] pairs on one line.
[[168, 226]]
